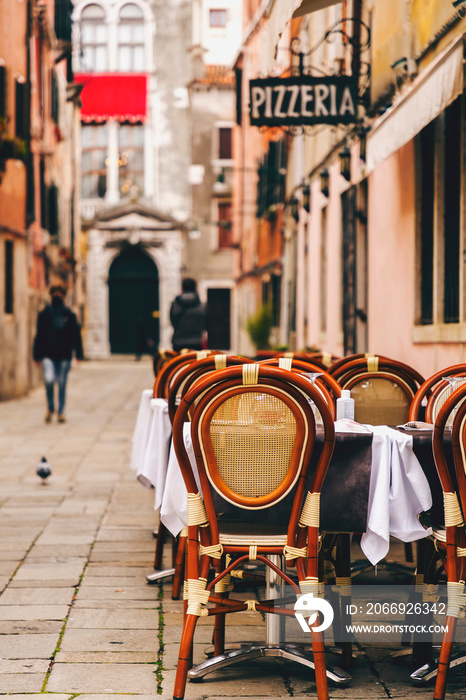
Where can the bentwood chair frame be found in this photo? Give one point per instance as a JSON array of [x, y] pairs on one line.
[[172, 367], [169, 370], [429, 392], [329, 387], [319, 359], [221, 418], [179, 383], [451, 542], [161, 357], [191, 373]]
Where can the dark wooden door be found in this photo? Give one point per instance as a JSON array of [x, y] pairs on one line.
[[133, 284], [219, 313]]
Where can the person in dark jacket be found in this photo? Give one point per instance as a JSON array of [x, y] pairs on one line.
[[58, 335], [188, 317]]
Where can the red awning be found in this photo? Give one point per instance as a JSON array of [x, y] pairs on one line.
[[113, 96]]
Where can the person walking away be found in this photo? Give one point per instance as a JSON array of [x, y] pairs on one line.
[[58, 335], [188, 317]]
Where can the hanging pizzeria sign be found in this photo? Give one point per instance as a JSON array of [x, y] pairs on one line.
[[303, 100]]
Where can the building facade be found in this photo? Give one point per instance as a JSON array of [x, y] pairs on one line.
[[38, 188], [373, 225]]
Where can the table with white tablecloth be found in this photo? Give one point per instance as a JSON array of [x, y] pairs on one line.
[[374, 474]]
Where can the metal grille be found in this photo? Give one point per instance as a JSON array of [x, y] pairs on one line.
[[253, 437]]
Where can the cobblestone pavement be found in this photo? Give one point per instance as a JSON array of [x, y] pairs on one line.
[[76, 615]]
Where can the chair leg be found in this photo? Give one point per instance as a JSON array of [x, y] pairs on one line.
[[319, 665], [179, 568], [161, 539], [185, 657], [444, 660]]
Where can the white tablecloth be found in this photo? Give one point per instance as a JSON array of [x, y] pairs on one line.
[[398, 491], [151, 444]]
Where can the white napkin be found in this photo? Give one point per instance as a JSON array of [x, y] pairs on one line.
[[398, 492]]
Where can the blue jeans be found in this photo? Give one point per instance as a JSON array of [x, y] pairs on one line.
[[55, 371]]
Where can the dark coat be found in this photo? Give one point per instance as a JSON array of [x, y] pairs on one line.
[[58, 334], [188, 318]]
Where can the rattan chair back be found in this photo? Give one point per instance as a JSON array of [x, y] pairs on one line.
[[383, 389], [172, 367], [327, 385], [181, 381], [433, 392]]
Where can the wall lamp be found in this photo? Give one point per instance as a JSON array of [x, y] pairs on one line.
[[345, 162], [307, 198], [294, 208], [324, 182]]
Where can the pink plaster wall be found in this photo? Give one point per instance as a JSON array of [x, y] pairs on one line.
[[392, 268]]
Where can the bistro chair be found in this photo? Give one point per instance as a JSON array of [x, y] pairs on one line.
[[172, 367], [326, 384], [253, 433], [177, 387], [319, 359], [348, 358], [191, 373], [168, 371], [382, 389], [433, 393], [450, 540], [161, 357]]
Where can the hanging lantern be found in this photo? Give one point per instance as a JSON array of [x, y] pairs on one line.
[[307, 198], [324, 182]]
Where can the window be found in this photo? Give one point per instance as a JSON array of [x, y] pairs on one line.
[[2, 90], [225, 143], [131, 39], [93, 39], [9, 277], [21, 108], [224, 225], [131, 157], [94, 160], [218, 18], [439, 157]]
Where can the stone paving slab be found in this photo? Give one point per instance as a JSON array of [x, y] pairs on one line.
[[27, 646], [106, 657], [113, 619], [22, 682], [33, 612], [103, 591], [24, 666], [102, 678], [21, 627], [109, 640], [43, 696]]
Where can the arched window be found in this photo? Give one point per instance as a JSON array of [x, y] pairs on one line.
[[131, 39], [93, 39]]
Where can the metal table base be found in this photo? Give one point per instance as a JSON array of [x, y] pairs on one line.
[[274, 647]]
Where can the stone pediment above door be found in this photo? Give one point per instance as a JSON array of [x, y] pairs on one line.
[[132, 217]]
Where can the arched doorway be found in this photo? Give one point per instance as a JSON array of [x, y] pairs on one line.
[[133, 285]]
